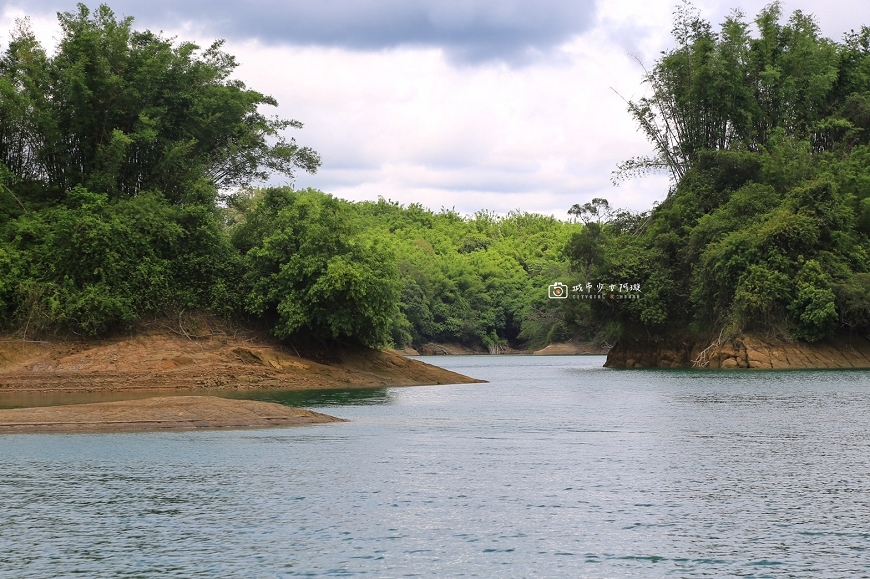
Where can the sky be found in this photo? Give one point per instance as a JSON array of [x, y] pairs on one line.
[[470, 105]]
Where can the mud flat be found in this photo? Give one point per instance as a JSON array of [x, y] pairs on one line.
[[571, 349], [159, 413]]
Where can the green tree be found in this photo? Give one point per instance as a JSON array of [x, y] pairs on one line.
[[309, 270], [730, 90], [121, 111], [112, 152]]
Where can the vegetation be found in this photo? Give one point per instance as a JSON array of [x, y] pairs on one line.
[[112, 153], [116, 153], [767, 139]]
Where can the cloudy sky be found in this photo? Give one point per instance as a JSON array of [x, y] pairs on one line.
[[465, 104]]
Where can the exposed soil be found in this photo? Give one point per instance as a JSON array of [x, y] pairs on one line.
[[213, 360], [160, 413], [162, 359], [748, 351], [555, 349], [456, 349]]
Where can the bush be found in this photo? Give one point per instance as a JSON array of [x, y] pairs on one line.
[[309, 270]]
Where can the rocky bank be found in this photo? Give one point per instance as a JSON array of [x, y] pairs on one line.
[[748, 351]]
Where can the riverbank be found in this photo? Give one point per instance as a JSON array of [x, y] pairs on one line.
[[159, 413], [213, 359], [747, 351], [157, 361]]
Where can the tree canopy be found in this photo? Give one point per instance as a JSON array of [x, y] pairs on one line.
[[765, 228], [112, 153], [122, 112], [734, 90], [128, 165]]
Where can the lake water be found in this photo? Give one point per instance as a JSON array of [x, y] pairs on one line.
[[556, 468]]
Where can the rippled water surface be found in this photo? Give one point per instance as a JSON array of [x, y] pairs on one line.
[[556, 468]]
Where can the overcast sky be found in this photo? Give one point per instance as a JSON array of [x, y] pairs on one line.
[[474, 104]]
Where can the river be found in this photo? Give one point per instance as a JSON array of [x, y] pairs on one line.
[[556, 468]]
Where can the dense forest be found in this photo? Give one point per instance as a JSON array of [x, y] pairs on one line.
[[129, 166], [766, 135]]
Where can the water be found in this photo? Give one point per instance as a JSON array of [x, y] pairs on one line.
[[557, 468]]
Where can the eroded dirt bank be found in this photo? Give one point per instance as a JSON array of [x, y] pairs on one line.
[[214, 360], [743, 352], [159, 413]]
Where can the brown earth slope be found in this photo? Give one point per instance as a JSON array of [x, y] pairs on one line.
[[164, 360]]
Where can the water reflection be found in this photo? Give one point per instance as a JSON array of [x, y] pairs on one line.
[[297, 398], [317, 398]]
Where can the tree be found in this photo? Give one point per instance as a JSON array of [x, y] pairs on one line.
[[112, 153], [120, 112], [728, 90], [308, 270], [595, 210]]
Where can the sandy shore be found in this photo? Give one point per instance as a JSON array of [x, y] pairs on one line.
[[161, 413]]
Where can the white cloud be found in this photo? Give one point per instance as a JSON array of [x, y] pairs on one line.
[[409, 125], [44, 26], [469, 30], [406, 125]]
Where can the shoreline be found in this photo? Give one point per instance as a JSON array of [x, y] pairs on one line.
[[748, 351], [554, 349], [218, 361], [174, 413], [169, 378]]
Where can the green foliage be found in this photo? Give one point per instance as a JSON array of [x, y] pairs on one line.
[[736, 91], [766, 226], [309, 270], [122, 112], [813, 308], [753, 259], [112, 151], [480, 280], [95, 266], [852, 300], [586, 248], [9, 279]]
